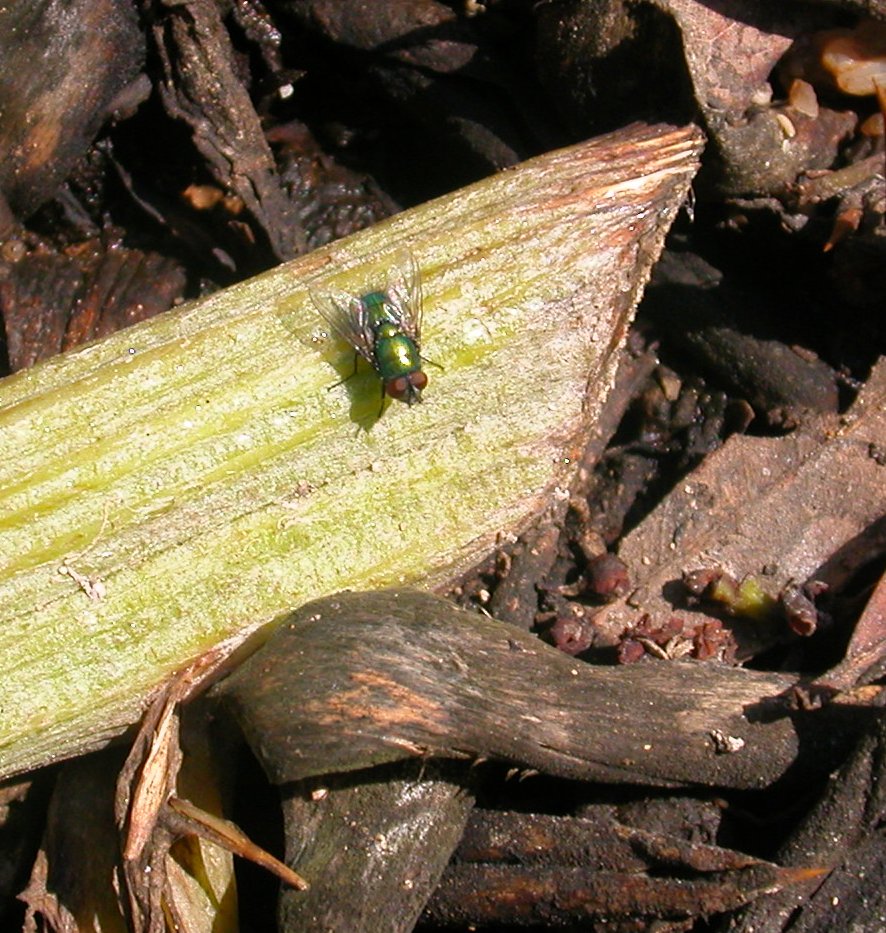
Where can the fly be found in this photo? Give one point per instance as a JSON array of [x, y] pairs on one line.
[[384, 327]]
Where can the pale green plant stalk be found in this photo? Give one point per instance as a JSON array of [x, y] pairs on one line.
[[191, 479]]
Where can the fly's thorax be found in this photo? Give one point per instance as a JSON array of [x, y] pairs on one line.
[[373, 299], [378, 312]]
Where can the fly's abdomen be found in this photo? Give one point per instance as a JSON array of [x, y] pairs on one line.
[[395, 355], [398, 362]]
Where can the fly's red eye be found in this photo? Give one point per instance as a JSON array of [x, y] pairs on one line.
[[397, 388], [418, 379]]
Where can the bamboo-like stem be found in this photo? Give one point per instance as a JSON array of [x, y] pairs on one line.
[[190, 480]]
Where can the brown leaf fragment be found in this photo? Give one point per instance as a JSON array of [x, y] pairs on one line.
[[75, 882], [731, 54], [145, 784], [40, 902]]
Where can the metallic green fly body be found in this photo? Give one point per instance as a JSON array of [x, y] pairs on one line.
[[384, 327]]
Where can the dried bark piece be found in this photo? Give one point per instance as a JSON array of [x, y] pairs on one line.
[[89, 51], [74, 877], [519, 895], [779, 508], [175, 845], [730, 54], [733, 335], [333, 200], [23, 806], [844, 831], [716, 57], [35, 301], [79, 881], [866, 652], [373, 844], [597, 841], [50, 303], [202, 88], [368, 678]]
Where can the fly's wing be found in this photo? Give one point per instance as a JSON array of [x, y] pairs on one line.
[[346, 317], [404, 295]]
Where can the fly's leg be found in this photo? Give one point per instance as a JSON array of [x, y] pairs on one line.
[[348, 378], [424, 359], [341, 382]]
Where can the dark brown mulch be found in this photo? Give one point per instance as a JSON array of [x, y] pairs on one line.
[[729, 504]]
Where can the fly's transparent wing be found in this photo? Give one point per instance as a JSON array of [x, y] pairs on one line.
[[405, 296], [346, 317]]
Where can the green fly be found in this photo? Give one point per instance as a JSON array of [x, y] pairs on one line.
[[384, 327]]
